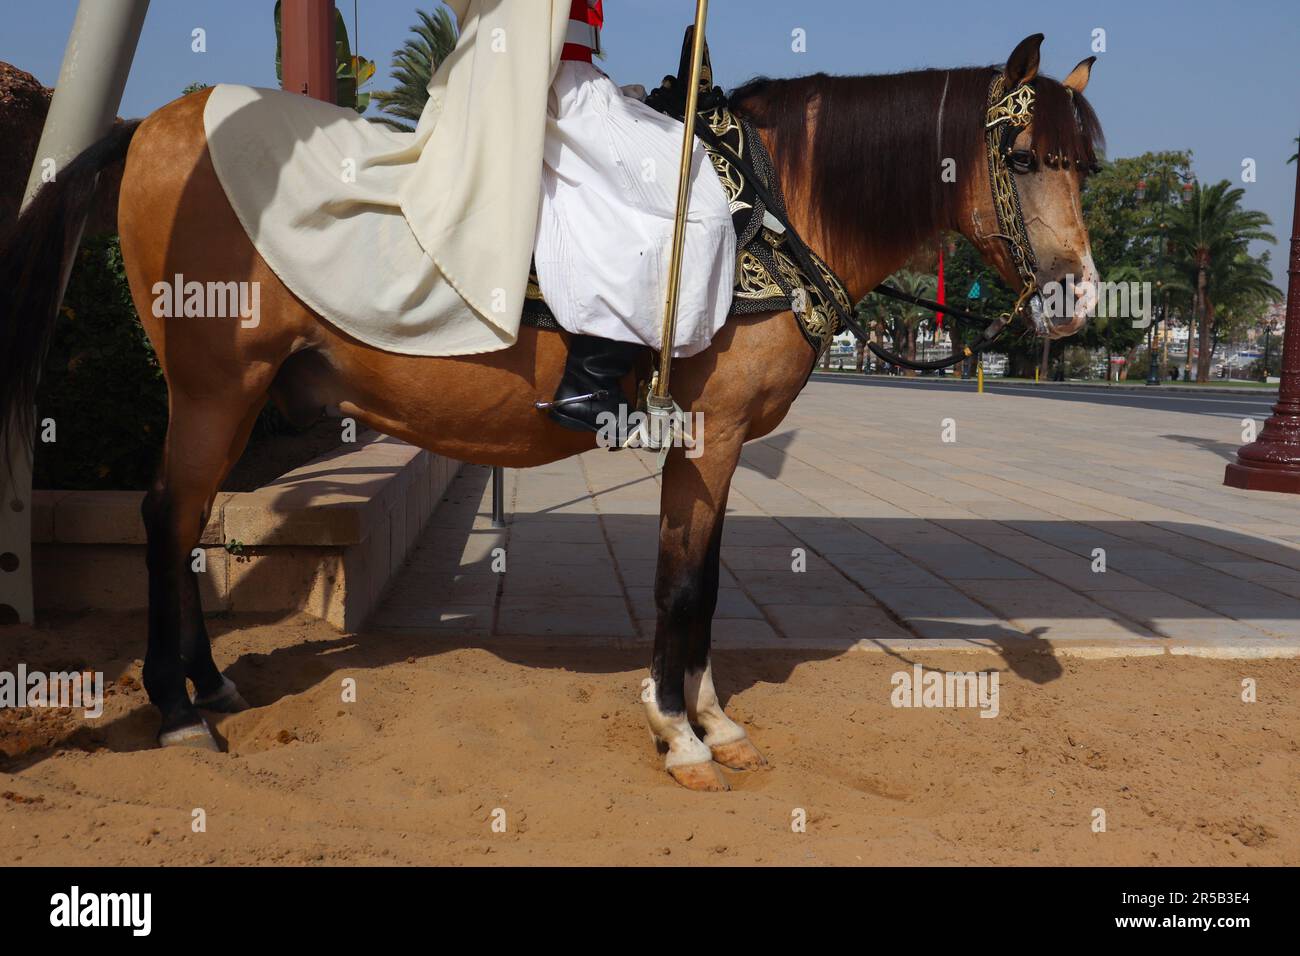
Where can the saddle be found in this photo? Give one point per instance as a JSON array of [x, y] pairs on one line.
[[768, 276]]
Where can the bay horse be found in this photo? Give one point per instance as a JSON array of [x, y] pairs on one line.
[[872, 168]]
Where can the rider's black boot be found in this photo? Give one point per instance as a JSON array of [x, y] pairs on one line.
[[593, 368]]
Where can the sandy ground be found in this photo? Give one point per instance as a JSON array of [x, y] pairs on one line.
[[442, 735]]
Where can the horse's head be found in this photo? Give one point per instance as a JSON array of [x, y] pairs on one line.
[[876, 167], [1024, 212]]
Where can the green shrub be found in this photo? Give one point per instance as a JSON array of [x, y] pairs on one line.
[[101, 384]]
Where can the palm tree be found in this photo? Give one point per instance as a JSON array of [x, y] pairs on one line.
[[906, 317], [1243, 290], [1208, 228], [414, 64], [873, 315], [1119, 332]]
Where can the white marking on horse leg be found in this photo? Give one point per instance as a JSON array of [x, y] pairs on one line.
[[703, 708], [674, 730], [197, 736], [226, 699]]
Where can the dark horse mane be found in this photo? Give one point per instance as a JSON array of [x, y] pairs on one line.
[[878, 143]]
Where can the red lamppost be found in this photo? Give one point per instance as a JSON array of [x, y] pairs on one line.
[[1272, 462], [308, 62]]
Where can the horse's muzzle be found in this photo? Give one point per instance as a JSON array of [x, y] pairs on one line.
[[1054, 326]]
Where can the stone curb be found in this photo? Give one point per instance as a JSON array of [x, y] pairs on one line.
[[325, 538]]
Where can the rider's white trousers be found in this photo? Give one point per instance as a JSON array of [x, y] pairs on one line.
[[604, 232]]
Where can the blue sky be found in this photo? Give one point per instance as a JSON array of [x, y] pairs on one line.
[[1222, 79]]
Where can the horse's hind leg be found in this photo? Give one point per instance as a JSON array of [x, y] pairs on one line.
[[204, 439], [680, 689]]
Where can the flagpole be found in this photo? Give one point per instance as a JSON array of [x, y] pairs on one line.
[[659, 399]]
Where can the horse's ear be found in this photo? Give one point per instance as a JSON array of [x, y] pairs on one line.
[[1022, 65], [1078, 77]]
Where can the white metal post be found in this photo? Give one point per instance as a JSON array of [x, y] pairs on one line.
[[91, 80]]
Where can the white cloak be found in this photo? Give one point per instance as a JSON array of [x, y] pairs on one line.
[[413, 243], [419, 243]]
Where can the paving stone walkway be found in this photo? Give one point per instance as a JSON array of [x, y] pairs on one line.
[[991, 539]]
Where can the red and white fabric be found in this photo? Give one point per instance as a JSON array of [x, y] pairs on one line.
[[609, 199]]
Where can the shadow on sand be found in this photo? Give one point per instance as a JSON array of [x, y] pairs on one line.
[[860, 569]]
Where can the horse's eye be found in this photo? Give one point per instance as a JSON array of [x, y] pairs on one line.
[[1022, 160]]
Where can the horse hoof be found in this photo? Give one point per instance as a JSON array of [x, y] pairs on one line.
[[227, 700], [739, 755], [195, 736], [704, 777]]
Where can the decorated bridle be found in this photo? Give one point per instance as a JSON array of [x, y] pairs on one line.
[[1008, 113]]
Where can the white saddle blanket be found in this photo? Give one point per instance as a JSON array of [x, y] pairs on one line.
[[318, 190]]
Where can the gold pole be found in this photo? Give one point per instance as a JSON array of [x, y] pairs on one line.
[[683, 199]]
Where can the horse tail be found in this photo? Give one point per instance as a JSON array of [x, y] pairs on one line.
[[35, 260]]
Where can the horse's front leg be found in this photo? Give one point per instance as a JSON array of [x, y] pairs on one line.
[[680, 690], [726, 739]]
